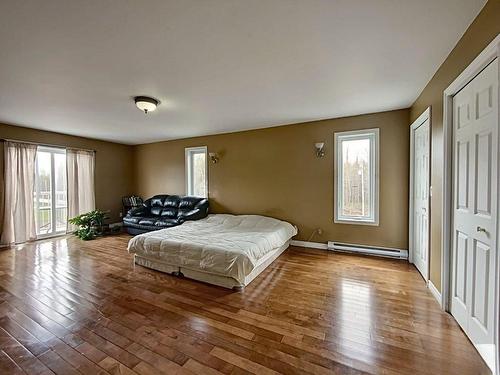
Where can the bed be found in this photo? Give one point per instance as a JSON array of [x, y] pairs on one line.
[[221, 249]]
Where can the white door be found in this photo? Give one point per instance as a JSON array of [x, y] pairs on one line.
[[420, 237], [475, 150]]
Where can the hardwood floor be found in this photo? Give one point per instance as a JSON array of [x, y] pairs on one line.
[[72, 307]]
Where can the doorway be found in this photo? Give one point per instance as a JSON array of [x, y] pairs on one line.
[[50, 191], [420, 149]]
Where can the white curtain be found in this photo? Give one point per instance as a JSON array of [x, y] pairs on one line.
[[80, 165], [19, 214]]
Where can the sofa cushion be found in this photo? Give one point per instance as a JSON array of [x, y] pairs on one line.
[[157, 201], [166, 222], [172, 201], [131, 219], [169, 212], [148, 220], [156, 211], [188, 203], [183, 211]]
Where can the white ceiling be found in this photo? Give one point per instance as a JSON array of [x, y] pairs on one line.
[[216, 65]]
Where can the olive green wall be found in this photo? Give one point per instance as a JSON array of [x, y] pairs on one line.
[[275, 172], [481, 32], [113, 166]]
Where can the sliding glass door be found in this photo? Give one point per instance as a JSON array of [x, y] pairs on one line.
[[50, 191]]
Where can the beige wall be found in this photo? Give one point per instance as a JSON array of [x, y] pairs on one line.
[[113, 173], [275, 172], [481, 32]]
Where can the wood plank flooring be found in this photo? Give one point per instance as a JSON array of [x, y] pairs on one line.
[[73, 307]]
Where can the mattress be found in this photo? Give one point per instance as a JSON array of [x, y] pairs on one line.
[[220, 244]]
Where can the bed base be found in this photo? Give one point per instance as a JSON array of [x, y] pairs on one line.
[[210, 278]]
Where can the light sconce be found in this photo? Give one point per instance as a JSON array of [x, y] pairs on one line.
[[214, 158], [320, 149]]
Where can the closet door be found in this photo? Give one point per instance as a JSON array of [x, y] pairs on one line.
[[475, 121], [421, 165]]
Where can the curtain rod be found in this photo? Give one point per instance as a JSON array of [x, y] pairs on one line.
[[46, 144]]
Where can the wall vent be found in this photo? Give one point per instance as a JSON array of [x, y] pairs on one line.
[[368, 250]]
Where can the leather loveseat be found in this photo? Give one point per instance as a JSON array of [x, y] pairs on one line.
[[164, 211]]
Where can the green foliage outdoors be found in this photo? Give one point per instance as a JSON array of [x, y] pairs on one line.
[[90, 224]]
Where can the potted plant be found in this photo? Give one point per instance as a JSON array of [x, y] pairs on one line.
[[89, 224]]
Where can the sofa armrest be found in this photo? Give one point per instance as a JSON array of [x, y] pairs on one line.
[[195, 214], [202, 206], [137, 211]]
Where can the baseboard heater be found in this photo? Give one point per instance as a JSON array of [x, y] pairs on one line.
[[368, 250]]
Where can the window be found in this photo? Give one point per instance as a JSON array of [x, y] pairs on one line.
[[196, 171], [50, 191], [356, 177]]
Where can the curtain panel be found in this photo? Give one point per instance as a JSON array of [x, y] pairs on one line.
[[19, 216], [80, 165]]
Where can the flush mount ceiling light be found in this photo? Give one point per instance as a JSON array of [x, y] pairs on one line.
[[146, 103]]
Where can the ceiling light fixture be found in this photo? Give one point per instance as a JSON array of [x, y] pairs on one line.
[[146, 103]]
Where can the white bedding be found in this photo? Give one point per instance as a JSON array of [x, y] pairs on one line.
[[227, 245]]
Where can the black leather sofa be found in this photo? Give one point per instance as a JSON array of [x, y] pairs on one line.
[[164, 211]]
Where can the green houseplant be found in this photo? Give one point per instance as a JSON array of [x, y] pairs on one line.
[[89, 224]]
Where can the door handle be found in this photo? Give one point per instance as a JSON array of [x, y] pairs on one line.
[[481, 229]]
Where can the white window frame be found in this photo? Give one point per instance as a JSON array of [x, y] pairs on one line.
[[188, 152], [339, 137]]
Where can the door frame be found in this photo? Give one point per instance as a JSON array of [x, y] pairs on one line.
[[426, 115], [490, 53]]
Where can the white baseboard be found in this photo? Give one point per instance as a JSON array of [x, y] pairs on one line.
[[312, 245], [436, 293]]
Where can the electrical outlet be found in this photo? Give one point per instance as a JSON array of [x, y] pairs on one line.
[[120, 214], [320, 231]]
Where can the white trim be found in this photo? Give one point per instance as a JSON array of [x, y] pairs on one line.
[[489, 54], [187, 167], [374, 134], [312, 245], [426, 115], [435, 292]]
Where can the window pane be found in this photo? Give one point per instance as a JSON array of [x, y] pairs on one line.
[[199, 166], [356, 178], [60, 191], [196, 171], [43, 195], [50, 191]]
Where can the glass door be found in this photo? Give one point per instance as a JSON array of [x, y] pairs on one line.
[[50, 191]]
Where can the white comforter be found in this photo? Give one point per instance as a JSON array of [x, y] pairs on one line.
[[228, 245]]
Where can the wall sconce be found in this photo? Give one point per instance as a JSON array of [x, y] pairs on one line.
[[214, 158], [320, 149]]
